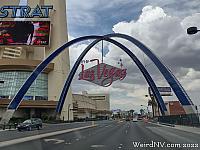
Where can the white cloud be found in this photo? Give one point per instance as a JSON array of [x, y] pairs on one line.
[[150, 14]]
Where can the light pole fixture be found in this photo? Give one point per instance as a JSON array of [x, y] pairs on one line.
[[192, 30]]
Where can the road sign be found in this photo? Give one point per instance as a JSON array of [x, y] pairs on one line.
[[164, 91]]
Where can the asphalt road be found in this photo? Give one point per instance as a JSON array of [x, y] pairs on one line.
[[113, 135]]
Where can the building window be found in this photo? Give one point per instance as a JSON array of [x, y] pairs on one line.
[[13, 80], [4, 97], [41, 98], [28, 97]]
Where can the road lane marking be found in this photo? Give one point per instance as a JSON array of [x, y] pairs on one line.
[[35, 137], [68, 143], [108, 126], [97, 146], [57, 141], [126, 131]]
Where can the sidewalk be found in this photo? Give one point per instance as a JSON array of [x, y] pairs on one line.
[[1, 130], [195, 130]]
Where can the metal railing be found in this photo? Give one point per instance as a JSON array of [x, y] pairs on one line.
[[186, 119], [8, 126]]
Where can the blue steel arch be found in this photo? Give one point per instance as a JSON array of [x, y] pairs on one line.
[[14, 104], [178, 89], [19, 96], [145, 73], [171, 79]]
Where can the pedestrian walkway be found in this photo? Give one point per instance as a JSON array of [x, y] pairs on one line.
[[188, 129], [1, 130], [195, 130]]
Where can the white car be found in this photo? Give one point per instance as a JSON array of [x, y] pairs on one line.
[[134, 120]]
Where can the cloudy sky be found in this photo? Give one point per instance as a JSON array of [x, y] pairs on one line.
[[160, 25]]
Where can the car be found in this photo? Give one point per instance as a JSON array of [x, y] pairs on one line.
[[30, 124], [135, 120]]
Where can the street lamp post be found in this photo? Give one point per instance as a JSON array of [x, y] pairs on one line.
[[197, 113], [192, 30]]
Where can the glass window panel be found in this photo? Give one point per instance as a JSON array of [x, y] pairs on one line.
[[13, 80]]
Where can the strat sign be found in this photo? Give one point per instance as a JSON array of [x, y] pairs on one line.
[[102, 74], [25, 11]]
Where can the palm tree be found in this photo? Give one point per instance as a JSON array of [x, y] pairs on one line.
[[153, 103]]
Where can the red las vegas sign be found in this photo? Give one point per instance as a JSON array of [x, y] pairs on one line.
[[102, 74]]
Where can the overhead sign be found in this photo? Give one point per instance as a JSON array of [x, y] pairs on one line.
[[102, 74], [25, 11], [24, 33], [164, 91]]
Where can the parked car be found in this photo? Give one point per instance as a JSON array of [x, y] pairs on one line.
[[30, 124]]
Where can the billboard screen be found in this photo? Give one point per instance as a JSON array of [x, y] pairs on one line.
[[34, 33], [164, 91]]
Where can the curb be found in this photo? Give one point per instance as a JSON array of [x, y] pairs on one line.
[[162, 124], [176, 127], [7, 130], [167, 124]]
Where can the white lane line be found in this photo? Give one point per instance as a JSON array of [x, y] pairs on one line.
[[68, 143], [108, 126], [126, 131], [35, 137], [119, 147], [57, 141], [97, 146]]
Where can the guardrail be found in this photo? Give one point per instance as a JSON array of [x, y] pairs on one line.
[[185, 119], [8, 126]]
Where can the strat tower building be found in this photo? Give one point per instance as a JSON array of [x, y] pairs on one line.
[[18, 61]]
